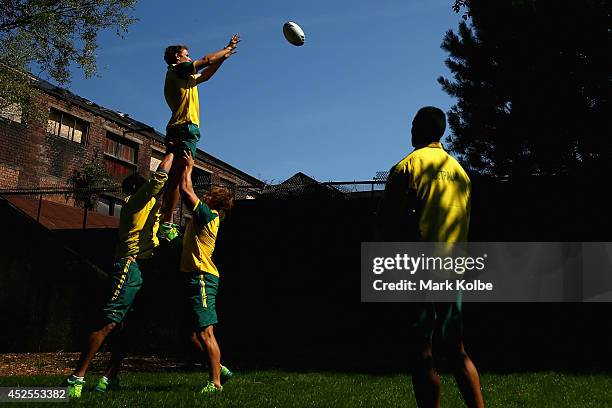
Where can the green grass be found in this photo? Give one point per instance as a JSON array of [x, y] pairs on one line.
[[287, 389]]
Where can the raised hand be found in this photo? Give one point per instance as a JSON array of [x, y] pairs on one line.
[[231, 46], [188, 159], [233, 43]]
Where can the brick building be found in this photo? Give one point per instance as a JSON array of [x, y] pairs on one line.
[[44, 155]]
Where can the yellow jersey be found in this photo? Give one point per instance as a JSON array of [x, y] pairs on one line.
[[199, 240], [433, 186], [181, 93], [139, 219]]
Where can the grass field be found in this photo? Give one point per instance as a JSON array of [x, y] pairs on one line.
[[289, 389]]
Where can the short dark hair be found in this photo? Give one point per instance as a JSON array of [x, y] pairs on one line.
[[132, 183], [220, 199], [171, 51], [431, 121]]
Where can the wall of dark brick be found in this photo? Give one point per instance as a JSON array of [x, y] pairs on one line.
[[9, 176], [38, 159], [11, 151], [218, 173]]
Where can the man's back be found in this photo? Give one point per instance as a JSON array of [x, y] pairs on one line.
[[442, 192]]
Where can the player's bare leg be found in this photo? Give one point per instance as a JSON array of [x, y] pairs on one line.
[[117, 352], [171, 195], [114, 365], [466, 375], [425, 378], [198, 346], [94, 343], [226, 373], [209, 343]]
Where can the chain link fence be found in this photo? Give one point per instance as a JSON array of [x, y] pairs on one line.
[[67, 207]]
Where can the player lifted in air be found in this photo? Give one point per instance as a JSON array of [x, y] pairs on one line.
[[199, 273], [138, 223], [183, 129]]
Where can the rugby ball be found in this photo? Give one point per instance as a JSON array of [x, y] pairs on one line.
[[294, 33]]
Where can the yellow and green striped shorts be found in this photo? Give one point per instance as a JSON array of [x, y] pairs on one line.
[[126, 281], [200, 294]]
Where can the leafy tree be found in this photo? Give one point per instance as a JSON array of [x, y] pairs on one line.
[[90, 176], [532, 80], [51, 35], [459, 5]]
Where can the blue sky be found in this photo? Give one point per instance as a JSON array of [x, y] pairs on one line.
[[337, 108]]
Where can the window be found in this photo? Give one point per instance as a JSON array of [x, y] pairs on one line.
[[67, 126], [103, 206], [120, 155], [201, 178], [118, 205], [109, 206], [119, 148], [230, 185], [156, 158]]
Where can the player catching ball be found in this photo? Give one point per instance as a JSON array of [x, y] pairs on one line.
[[200, 275], [183, 130]]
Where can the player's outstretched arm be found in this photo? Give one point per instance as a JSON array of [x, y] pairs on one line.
[[217, 57], [186, 188], [208, 72], [154, 186], [161, 174]]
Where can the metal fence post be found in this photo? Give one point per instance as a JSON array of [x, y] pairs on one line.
[[39, 208]]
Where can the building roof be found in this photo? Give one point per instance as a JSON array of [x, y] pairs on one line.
[[60, 216], [300, 185], [135, 126], [299, 178]]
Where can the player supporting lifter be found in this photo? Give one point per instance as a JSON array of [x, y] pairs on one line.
[[200, 275], [432, 183], [138, 223], [183, 130]]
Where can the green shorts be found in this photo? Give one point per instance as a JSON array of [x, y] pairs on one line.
[[200, 295], [444, 318], [126, 281], [184, 137]]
